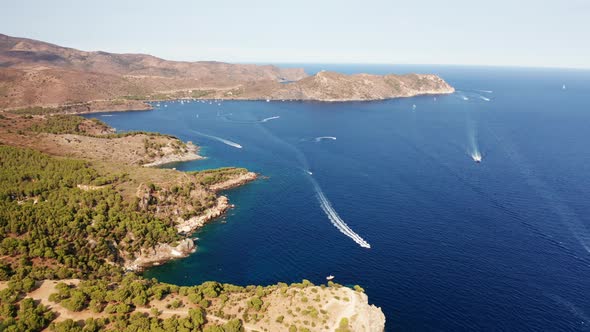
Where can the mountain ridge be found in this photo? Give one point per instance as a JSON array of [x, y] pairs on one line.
[[36, 73]]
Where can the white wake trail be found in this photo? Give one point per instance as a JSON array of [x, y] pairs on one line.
[[552, 199], [222, 140], [473, 149], [485, 91], [271, 118], [335, 218], [484, 98], [322, 199], [321, 138]]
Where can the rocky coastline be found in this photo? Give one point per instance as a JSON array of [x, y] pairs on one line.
[[190, 154], [164, 252]]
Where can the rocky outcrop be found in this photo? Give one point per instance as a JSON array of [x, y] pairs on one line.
[[365, 316], [331, 86], [176, 156], [234, 182], [161, 253], [190, 225], [164, 252]]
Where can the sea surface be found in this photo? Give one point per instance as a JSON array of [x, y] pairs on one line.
[[455, 245]]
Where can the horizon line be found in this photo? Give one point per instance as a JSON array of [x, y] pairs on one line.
[[290, 62]]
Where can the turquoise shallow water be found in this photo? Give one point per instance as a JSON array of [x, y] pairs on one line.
[[455, 245]]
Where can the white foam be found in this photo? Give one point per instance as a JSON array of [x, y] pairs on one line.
[[271, 118], [321, 138], [484, 98], [579, 313], [222, 140], [473, 146], [335, 218], [476, 156]]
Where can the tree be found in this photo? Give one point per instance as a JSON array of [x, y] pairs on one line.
[[76, 302]]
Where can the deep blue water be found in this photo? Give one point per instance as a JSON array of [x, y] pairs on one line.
[[455, 245]]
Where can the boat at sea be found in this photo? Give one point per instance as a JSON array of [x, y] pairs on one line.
[[330, 277]]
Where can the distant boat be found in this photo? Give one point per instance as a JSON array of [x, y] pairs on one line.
[[414, 106], [477, 157], [563, 87], [330, 277], [268, 100]]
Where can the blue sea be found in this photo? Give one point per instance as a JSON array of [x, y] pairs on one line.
[[455, 245]]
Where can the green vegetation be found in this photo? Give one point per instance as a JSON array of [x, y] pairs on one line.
[[53, 227], [212, 176], [43, 215], [35, 110], [200, 93], [25, 315], [359, 289], [135, 97], [68, 124], [343, 326]]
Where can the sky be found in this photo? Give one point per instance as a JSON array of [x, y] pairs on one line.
[[540, 33]]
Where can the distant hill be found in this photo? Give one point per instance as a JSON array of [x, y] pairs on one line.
[[35, 73]]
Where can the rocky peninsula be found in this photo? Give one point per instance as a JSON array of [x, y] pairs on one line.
[[65, 80]]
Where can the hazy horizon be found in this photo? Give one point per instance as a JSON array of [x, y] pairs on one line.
[[528, 34]]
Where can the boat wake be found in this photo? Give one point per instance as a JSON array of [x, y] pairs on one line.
[[335, 218], [577, 312], [228, 119], [473, 146], [107, 115], [552, 199], [219, 139], [476, 156], [485, 91], [271, 118], [484, 98], [321, 138]]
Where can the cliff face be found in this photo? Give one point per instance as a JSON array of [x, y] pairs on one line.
[[161, 253]]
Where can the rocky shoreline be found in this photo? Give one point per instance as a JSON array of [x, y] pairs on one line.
[[164, 252], [234, 182], [191, 154]]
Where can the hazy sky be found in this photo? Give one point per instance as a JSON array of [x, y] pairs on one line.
[[494, 32]]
